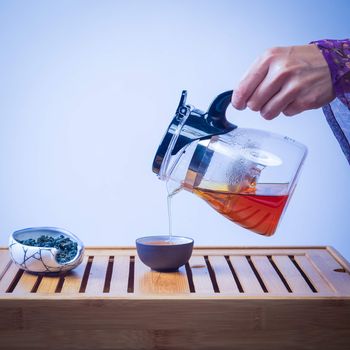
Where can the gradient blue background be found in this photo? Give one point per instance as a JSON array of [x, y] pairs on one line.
[[87, 89]]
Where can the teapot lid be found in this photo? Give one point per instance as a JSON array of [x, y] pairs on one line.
[[190, 124]]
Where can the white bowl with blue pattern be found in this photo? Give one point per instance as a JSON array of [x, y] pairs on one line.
[[42, 259]]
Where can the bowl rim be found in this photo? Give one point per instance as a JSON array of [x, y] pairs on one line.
[[161, 237], [46, 228]]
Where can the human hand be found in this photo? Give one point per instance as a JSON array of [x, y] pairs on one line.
[[285, 79]]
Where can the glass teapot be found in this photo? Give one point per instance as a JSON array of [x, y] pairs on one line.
[[247, 175]]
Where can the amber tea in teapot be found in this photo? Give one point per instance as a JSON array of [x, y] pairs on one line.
[[257, 210]]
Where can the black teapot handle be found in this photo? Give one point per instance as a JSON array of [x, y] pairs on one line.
[[216, 114]]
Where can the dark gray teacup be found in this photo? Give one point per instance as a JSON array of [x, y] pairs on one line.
[[163, 254]]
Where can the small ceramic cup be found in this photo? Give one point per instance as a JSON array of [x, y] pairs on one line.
[[42, 259], [163, 254]]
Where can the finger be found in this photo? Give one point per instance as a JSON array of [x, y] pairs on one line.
[[265, 91], [292, 109], [249, 83], [278, 103]]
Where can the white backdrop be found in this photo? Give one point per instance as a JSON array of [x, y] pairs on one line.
[[87, 89]]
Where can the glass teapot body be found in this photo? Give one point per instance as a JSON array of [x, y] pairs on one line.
[[246, 175]]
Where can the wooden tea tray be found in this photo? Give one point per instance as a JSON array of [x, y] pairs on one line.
[[224, 298]]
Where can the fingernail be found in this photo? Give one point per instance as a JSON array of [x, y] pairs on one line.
[[265, 115], [235, 99], [240, 108], [237, 103], [252, 106]]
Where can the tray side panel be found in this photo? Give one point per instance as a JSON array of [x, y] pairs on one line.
[[163, 324]]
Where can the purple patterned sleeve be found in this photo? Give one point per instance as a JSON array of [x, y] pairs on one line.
[[337, 55]]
